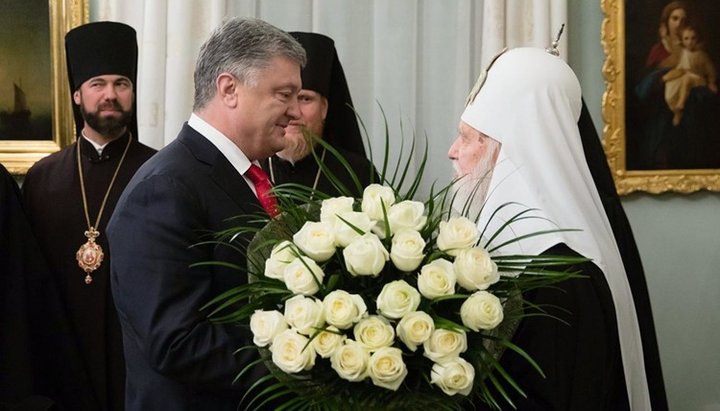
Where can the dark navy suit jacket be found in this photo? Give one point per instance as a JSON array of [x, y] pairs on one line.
[[176, 358]]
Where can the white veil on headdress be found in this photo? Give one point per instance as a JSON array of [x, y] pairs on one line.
[[530, 101]]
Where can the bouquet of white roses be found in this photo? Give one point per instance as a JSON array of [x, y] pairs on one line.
[[382, 302]]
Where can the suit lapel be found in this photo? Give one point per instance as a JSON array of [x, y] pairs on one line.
[[223, 173]]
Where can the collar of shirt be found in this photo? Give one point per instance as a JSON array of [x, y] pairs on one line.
[[232, 153], [289, 160], [98, 147]]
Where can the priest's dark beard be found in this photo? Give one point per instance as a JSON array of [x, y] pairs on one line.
[[107, 126]]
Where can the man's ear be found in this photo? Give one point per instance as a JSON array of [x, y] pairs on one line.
[[324, 107], [227, 85], [76, 97]]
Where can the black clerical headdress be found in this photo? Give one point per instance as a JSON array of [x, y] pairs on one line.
[[324, 74], [100, 48]]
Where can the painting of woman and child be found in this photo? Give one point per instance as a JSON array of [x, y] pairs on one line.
[[672, 100]]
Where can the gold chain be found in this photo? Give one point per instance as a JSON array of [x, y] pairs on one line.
[[107, 193]]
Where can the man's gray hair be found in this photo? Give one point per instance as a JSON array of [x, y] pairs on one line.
[[242, 47]]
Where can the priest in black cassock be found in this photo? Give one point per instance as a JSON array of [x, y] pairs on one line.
[[327, 113], [29, 310], [70, 195]]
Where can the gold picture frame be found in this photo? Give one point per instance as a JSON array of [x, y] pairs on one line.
[[625, 139], [19, 155]]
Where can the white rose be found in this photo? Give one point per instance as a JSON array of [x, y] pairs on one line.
[[350, 361], [444, 345], [304, 314], [481, 311], [374, 196], [303, 276], [292, 353], [343, 309], [437, 279], [366, 255], [415, 328], [475, 270], [407, 250], [454, 376], [407, 215], [331, 207], [397, 299], [328, 341], [344, 233], [456, 234], [316, 240], [387, 368], [280, 256], [265, 325], [374, 332]]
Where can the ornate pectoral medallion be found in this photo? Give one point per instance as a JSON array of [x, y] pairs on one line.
[[90, 255]]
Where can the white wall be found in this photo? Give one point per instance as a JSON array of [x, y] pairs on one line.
[[679, 240]]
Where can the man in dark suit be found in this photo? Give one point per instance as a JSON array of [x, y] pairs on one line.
[[247, 79]]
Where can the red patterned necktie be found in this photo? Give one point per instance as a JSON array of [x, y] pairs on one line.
[[262, 188]]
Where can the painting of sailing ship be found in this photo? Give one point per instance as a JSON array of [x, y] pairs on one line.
[[16, 124], [25, 75]]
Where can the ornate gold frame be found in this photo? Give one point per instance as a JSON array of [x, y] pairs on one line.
[[613, 112], [18, 155]]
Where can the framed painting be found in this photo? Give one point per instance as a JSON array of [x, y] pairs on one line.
[[661, 105], [35, 111]]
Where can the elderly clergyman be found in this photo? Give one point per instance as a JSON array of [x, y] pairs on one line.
[[518, 142]]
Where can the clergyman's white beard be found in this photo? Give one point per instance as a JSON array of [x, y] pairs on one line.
[[471, 190]]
